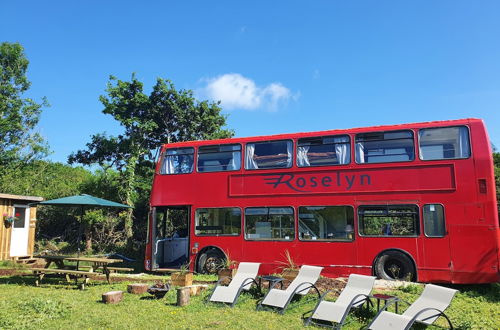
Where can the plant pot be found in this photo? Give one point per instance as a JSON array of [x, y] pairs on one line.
[[182, 279], [159, 292], [7, 223], [289, 274]]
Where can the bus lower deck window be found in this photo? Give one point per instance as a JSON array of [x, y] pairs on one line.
[[326, 223], [218, 221], [388, 220], [269, 223], [434, 220]]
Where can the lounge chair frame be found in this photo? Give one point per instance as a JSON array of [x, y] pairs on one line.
[[245, 282], [414, 319], [364, 298], [298, 289]]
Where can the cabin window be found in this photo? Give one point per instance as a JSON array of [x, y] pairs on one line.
[[444, 143], [219, 158], [388, 220], [434, 220], [272, 154], [20, 217], [384, 147], [269, 223], [322, 151], [177, 161], [326, 223], [218, 221]]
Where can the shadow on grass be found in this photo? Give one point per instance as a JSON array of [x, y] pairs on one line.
[[49, 280], [489, 292]]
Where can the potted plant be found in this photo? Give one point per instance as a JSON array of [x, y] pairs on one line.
[[8, 220], [228, 267], [290, 269], [183, 277]]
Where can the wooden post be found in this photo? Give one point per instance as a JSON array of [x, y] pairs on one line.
[[183, 295]]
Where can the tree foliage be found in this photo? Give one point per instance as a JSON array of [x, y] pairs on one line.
[[496, 162], [18, 115], [165, 115]]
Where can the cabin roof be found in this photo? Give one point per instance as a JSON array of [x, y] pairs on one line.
[[21, 198]]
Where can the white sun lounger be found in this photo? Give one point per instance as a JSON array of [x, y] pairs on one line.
[[355, 294], [426, 309], [305, 280], [245, 276]]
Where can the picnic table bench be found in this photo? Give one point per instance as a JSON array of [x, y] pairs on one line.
[[41, 272]]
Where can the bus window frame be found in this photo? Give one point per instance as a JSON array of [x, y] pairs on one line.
[[242, 157], [269, 168], [349, 143], [164, 155], [444, 221], [417, 221], [383, 132], [329, 240], [270, 239], [443, 159], [218, 235]]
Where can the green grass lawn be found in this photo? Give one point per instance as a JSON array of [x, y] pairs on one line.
[[59, 305]]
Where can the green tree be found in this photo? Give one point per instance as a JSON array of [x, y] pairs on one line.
[[166, 115], [18, 115], [496, 162]]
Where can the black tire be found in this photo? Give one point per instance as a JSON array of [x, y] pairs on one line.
[[395, 265], [210, 262]]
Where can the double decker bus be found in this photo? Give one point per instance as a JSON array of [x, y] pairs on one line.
[[413, 201]]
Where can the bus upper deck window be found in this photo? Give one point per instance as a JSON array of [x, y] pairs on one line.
[[219, 158], [385, 147], [322, 151], [272, 154], [177, 161], [444, 143]]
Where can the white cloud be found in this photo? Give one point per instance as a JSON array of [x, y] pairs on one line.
[[238, 92]]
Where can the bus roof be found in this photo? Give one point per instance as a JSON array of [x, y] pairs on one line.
[[285, 136]]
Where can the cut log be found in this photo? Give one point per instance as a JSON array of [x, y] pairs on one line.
[[112, 297], [197, 289], [183, 295], [137, 288]]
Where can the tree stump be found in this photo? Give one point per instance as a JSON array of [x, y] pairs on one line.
[[183, 295], [197, 289], [112, 297], [137, 288]]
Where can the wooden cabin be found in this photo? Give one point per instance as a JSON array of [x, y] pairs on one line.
[[17, 226]]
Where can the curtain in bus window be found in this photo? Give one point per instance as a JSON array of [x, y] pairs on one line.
[[289, 148], [360, 153], [302, 158], [168, 165], [342, 153], [250, 163], [235, 163]]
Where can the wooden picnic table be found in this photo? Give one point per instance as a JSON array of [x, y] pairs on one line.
[[68, 270], [97, 263]]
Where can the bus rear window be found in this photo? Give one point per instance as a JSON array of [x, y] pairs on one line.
[[219, 158], [384, 147], [326, 223], [388, 220], [321, 151], [444, 143], [272, 154], [269, 223], [177, 161], [218, 221]]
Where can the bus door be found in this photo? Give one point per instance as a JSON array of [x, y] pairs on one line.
[[435, 243], [170, 237]]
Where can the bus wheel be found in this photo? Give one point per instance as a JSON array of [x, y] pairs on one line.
[[394, 265], [210, 262]]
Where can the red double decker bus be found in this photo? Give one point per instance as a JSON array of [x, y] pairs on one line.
[[413, 201]]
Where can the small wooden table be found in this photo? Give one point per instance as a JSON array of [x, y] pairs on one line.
[[97, 263], [271, 279]]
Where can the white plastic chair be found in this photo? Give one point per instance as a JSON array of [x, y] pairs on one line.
[[245, 276], [305, 280], [355, 294], [426, 309]]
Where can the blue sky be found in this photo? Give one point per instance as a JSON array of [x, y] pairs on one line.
[[296, 65]]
